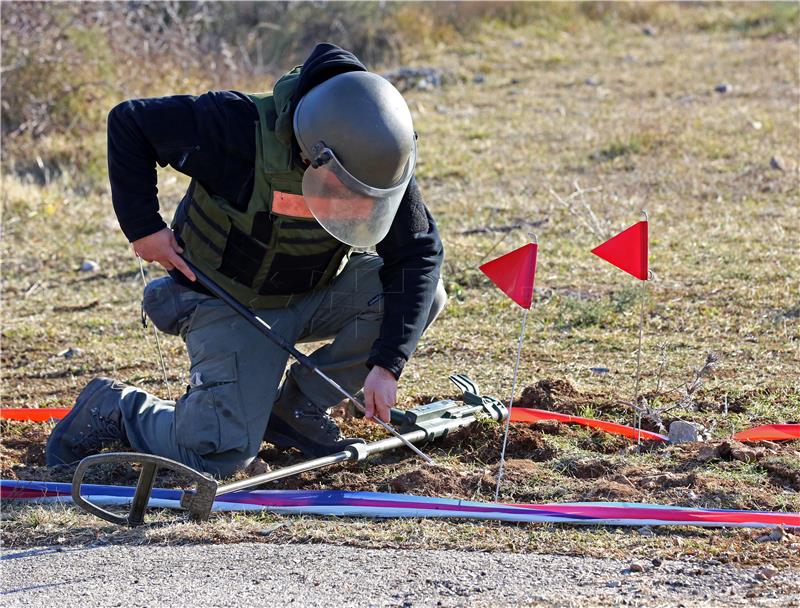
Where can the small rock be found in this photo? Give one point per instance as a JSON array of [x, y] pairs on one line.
[[646, 531], [70, 353], [776, 535], [723, 88], [682, 431], [636, 567], [746, 454], [656, 561], [756, 124], [267, 530], [613, 584], [649, 30], [733, 450], [766, 572], [516, 43], [592, 81], [599, 370], [776, 162], [479, 79], [89, 266], [406, 78]]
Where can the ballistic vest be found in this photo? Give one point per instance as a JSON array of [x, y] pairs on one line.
[[274, 250]]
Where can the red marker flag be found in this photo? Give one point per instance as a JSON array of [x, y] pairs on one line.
[[627, 251], [514, 273]]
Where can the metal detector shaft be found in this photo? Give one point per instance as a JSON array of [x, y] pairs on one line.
[[354, 452], [265, 328]]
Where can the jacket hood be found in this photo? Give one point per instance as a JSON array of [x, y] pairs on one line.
[[325, 61]]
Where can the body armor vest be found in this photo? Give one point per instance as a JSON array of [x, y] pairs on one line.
[[274, 249]]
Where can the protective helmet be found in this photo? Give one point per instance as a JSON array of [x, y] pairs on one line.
[[356, 131]]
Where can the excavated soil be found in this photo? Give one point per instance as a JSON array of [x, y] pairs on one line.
[[545, 461]]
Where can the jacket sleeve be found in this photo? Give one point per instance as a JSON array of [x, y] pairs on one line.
[[210, 137], [412, 255]]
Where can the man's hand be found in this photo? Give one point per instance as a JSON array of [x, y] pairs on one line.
[[162, 247], [380, 393]]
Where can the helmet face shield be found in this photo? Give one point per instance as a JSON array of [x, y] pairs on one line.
[[352, 212]]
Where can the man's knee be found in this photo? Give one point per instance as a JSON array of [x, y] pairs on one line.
[[438, 304]]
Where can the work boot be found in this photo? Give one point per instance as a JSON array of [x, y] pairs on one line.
[[93, 423], [296, 422]]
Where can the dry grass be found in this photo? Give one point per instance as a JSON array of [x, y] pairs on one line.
[[598, 103]]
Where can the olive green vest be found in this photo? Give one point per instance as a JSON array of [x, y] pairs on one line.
[[262, 257]]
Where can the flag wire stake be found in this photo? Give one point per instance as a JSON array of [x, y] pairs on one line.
[[510, 405], [155, 333], [637, 414], [501, 470]]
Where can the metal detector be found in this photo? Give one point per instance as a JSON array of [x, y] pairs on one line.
[[418, 425]]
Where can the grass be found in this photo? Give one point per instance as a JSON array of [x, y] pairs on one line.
[[651, 133]]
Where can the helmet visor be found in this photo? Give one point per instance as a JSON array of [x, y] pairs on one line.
[[351, 211]]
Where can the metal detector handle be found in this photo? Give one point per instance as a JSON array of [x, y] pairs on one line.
[[144, 486]]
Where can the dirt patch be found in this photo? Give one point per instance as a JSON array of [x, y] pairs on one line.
[[588, 469], [605, 443], [483, 442], [550, 394], [782, 473], [606, 489], [22, 448], [429, 480], [550, 427], [519, 471]]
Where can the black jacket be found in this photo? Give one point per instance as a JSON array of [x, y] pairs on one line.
[[219, 130]]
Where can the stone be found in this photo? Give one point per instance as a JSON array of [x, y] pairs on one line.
[[766, 572], [723, 88], [636, 567], [592, 81], [776, 162], [746, 454], [776, 535], [649, 30], [734, 450], [479, 79], [646, 531], [70, 352], [267, 530], [89, 266], [682, 431], [656, 561]]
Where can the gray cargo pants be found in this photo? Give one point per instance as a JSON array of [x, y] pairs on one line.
[[218, 424]]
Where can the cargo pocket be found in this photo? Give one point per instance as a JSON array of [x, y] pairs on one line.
[[169, 305], [209, 417]]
